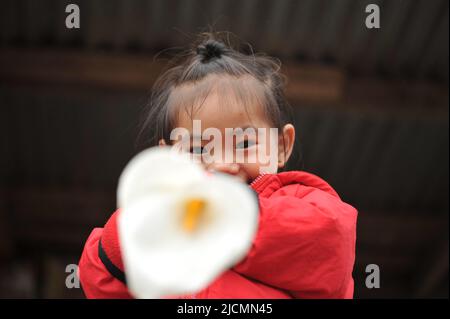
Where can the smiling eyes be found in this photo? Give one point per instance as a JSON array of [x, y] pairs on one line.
[[241, 145], [245, 144], [197, 150]]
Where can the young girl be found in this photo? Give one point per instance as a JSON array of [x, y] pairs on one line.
[[305, 243]]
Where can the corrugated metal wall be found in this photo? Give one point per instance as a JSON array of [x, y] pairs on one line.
[[409, 43], [65, 149], [63, 146], [377, 160]]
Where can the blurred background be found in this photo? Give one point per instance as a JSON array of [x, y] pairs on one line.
[[371, 108]]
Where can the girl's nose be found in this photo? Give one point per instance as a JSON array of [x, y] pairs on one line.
[[232, 168]]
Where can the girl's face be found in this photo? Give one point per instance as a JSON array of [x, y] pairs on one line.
[[259, 149]]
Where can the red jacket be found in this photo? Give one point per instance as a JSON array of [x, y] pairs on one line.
[[304, 247]]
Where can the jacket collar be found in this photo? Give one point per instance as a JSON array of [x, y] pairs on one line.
[[266, 184]]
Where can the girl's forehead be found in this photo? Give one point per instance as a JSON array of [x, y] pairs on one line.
[[214, 112], [219, 101]]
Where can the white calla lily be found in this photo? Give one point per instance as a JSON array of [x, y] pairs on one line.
[[180, 228]]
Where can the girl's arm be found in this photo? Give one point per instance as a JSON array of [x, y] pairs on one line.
[[305, 245], [96, 280], [99, 282]]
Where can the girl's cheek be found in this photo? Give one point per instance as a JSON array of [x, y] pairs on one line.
[[250, 171]]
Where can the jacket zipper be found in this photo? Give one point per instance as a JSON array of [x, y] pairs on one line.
[[257, 179]]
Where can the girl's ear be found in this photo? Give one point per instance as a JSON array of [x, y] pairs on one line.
[[286, 144], [162, 142]]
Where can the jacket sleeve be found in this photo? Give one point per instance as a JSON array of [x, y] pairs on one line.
[[98, 283], [304, 245], [95, 279]]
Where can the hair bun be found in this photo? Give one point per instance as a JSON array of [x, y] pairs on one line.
[[211, 49]]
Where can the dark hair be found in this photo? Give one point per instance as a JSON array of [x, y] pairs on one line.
[[259, 78]]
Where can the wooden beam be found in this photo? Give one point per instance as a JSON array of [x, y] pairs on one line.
[[307, 83], [78, 68], [314, 82], [139, 72]]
